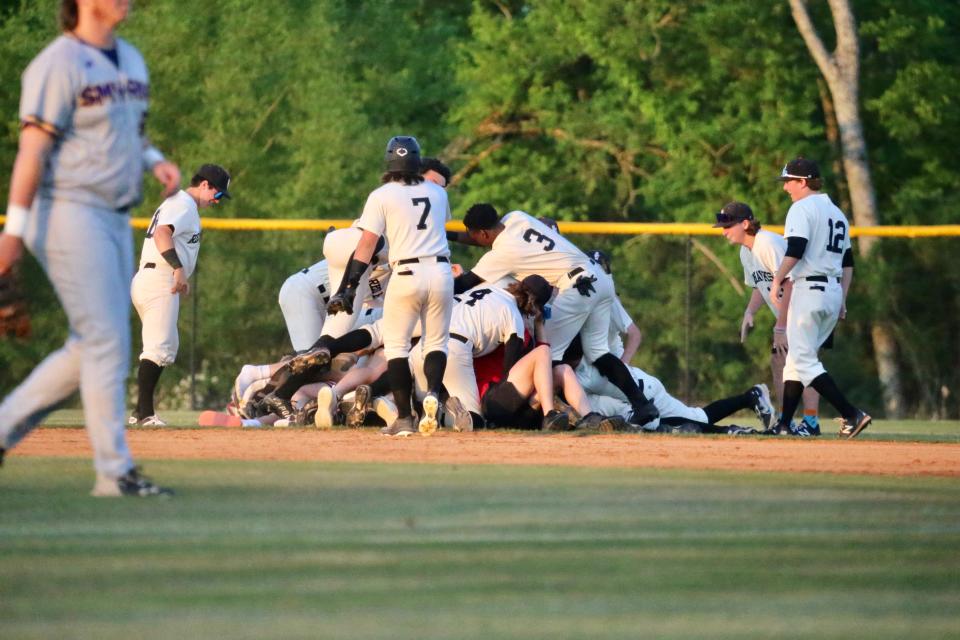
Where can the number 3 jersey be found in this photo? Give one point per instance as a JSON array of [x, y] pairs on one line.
[[827, 231], [180, 212], [526, 247], [412, 218]]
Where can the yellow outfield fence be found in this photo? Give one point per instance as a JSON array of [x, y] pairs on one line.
[[599, 228]]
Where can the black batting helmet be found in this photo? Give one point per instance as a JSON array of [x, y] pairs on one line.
[[403, 155]]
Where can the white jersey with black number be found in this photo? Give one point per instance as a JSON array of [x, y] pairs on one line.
[[760, 264], [95, 110], [180, 212], [488, 317], [412, 218], [526, 247], [827, 231]]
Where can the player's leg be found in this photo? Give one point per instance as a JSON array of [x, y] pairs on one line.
[[158, 310], [802, 360], [462, 403], [569, 310], [401, 311], [435, 313], [303, 310]]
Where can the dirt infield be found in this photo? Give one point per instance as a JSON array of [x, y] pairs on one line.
[[637, 451]]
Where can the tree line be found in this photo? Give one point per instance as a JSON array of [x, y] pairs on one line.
[[638, 110]]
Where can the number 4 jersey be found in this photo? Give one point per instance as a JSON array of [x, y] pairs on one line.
[[526, 247], [827, 231], [412, 217]]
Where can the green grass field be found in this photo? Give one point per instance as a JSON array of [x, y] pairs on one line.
[[285, 549]]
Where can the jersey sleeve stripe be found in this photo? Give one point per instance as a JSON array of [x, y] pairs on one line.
[[34, 121]]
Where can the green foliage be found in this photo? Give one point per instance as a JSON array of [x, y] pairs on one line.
[[580, 110]]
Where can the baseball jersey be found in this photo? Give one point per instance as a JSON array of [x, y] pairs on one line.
[[75, 93], [827, 231], [526, 247], [760, 264], [180, 212], [412, 218], [487, 316]]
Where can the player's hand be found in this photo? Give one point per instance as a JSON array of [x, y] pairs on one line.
[[180, 283], [169, 176], [780, 342], [843, 311], [775, 293], [11, 250], [745, 326], [342, 301], [456, 269]]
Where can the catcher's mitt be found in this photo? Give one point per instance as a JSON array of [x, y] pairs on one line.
[[14, 317]]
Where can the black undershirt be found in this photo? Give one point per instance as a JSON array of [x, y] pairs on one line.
[[112, 55]]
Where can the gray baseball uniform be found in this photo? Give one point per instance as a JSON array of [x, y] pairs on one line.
[[79, 231]]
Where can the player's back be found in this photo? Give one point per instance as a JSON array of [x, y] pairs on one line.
[[487, 316], [412, 217], [526, 247], [828, 236]]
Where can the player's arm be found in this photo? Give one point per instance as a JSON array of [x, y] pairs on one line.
[[466, 280], [631, 343], [163, 239], [356, 267], [780, 327], [754, 304], [796, 246], [462, 237], [846, 280], [35, 144]]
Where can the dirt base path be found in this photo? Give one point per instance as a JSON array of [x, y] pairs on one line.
[[639, 451]]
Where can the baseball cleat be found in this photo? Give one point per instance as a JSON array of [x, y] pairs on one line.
[[555, 421], [305, 361], [326, 408], [280, 407], [615, 424], [778, 429], [590, 421], [762, 405], [808, 427], [560, 405], [132, 421], [462, 420], [129, 484], [737, 430], [401, 427], [428, 423], [218, 419], [357, 413], [149, 421], [644, 413], [851, 429]]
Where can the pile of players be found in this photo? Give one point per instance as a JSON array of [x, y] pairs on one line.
[[387, 331]]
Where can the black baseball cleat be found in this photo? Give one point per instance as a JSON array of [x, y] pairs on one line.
[[319, 357], [616, 424], [280, 407], [132, 483], [777, 430], [555, 421], [361, 404], [644, 413], [590, 421], [850, 429]]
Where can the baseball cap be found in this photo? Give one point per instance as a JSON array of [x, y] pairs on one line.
[[733, 213], [540, 288], [215, 175], [550, 223], [600, 257], [799, 168]]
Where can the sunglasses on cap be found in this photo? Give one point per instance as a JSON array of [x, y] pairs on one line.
[[727, 219], [218, 195]]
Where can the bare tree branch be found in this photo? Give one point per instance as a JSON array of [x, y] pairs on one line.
[[824, 60]]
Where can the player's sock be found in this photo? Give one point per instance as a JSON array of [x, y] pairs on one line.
[[827, 388], [613, 369], [351, 341], [434, 364], [401, 383], [792, 393], [147, 377], [381, 386], [287, 383], [720, 409]]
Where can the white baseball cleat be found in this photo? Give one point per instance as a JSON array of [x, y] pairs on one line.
[[428, 423], [149, 421], [462, 420], [326, 407], [386, 409], [762, 405]]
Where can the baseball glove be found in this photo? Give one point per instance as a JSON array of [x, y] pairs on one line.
[[14, 317]]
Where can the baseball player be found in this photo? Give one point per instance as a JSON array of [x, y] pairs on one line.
[[521, 245], [303, 301], [819, 261], [78, 172], [761, 253], [411, 214], [621, 324], [167, 261]]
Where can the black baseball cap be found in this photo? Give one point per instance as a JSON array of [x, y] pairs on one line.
[[540, 288], [799, 168], [600, 257], [215, 175], [733, 213]]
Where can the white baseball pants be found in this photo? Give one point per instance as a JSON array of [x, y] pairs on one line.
[[304, 310], [814, 311], [589, 316], [158, 310], [418, 292], [87, 253]]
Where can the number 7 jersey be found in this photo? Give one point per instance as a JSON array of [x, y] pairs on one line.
[[827, 231], [411, 217]]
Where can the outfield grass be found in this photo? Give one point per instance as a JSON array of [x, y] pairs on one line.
[[282, 549]]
